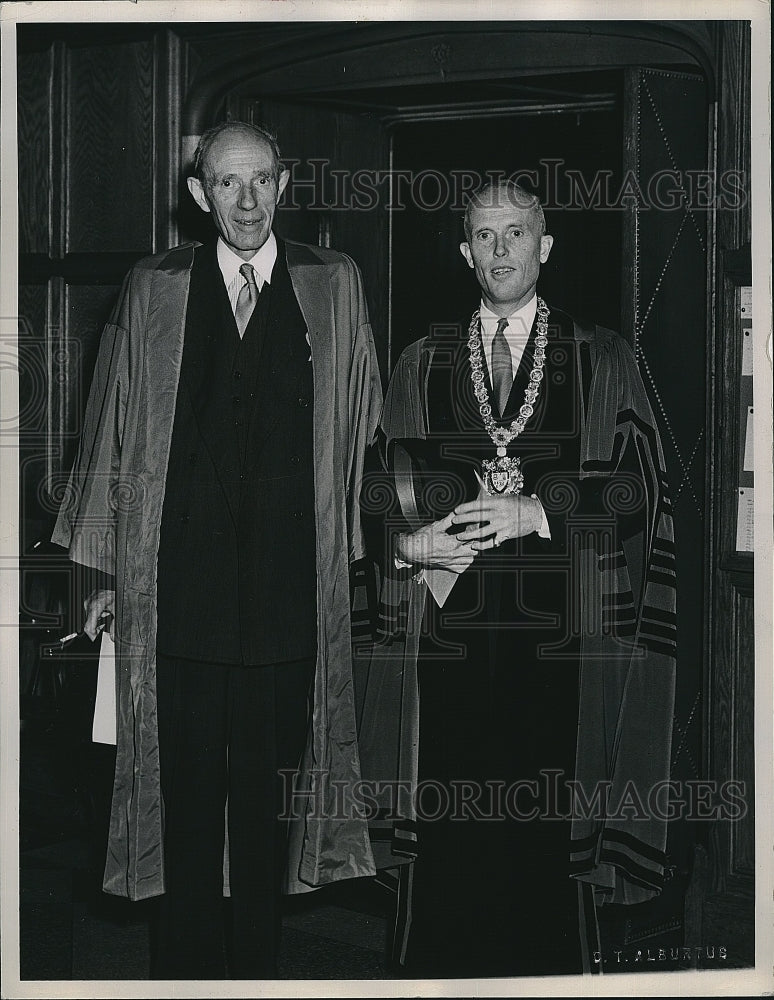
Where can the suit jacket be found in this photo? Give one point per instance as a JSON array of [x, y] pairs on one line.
[[237, 574], [110, 520]]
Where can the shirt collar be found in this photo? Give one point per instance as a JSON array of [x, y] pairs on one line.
[[519, 322], [263, 261]]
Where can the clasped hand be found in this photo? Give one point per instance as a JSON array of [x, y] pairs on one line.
[[490, 521], [98, 604]]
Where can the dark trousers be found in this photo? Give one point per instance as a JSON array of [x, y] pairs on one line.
[[225, 733], [492, 893]]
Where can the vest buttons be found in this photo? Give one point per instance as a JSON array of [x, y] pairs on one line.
[[237, 375], [236, 400], [238, 422], [298, 514], [294, 459], [303, 401]]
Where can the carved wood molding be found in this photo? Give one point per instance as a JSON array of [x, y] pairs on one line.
[[399, 53]]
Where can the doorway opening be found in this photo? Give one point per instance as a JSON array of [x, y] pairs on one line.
[[572, 161]]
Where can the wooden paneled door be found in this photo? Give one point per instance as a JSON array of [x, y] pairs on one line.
[[98, 164]]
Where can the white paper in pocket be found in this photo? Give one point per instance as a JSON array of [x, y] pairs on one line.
[[104, 727]]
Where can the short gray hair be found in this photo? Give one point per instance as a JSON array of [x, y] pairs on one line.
[[493, 193], [207, 138]]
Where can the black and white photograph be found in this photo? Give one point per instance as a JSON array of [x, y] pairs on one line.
[[386, 425]]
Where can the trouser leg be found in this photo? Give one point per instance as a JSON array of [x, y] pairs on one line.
[[269, 716], [193, 725]]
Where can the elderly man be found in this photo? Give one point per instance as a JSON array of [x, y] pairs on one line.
[[530, 623], [217, 483]]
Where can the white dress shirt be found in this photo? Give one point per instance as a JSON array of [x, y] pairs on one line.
[[263, 262], [516, 333]]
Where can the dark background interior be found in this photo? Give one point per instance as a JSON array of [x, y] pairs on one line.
[[432, 282]]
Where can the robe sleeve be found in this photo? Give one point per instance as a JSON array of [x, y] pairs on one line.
[[86, 524], [365, 405], [403, 416], [628, 662]]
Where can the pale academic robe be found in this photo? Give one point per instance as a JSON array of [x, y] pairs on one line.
[[110, 520]]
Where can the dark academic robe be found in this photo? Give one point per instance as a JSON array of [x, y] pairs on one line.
[[511, 689]]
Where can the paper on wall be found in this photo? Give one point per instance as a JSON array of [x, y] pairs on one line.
[[745, 312], [749, 452], [747, 351], [744, 519]]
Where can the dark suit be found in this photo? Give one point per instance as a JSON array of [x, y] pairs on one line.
[[237, 622]]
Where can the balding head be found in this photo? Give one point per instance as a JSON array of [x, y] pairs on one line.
[[237, 129], [505, 244], [239, 181], [501, 193]]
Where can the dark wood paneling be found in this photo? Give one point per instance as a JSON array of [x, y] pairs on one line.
[[667, 304], [34, 143], [734, 221], [362, 230], [33, 412], [33, 337], [370, 56], [98, 175], [728, 921], [743, 832], [110, 143], [728, 911]]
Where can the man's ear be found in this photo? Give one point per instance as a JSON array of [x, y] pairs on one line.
[[199, 196], [284, 177], [465, 251], [546, 242]]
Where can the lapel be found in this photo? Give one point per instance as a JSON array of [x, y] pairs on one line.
[[464, 405], [311, 282], [312, 286]]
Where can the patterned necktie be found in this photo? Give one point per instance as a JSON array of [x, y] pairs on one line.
[[248, 296], [502, 370]]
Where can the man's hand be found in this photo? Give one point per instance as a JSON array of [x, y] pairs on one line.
[[434, 547], [499, 517], [97, 604]]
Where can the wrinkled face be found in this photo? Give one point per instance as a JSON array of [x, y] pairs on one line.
[[505, 249], [241, 189]]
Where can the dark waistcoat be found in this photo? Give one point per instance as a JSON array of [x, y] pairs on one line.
[[236, 564]]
